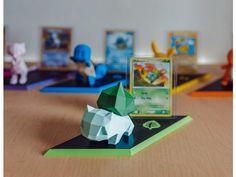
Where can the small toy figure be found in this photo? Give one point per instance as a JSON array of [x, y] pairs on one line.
[[16, 50], [99, 125], [111, 120], [169, 53], [227, 78], [87, 71]]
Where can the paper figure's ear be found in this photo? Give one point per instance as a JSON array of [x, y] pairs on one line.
[[171, 52], [154, 48], [90, 108]]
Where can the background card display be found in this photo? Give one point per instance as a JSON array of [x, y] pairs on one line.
[[186, 44], [56, 43], [119, 49], [151, 83]]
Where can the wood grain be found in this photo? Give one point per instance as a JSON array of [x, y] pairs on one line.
[[36, 121]]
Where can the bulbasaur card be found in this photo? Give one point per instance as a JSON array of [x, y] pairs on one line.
[[151, 85]]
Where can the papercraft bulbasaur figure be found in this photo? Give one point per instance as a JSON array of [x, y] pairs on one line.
[[116, 99], [87, 71], [99, 125], [18, 67]]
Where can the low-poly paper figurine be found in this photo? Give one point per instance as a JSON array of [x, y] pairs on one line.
[[99, 125], [116, 99], [16, 50], [227, 78], [87, 71]]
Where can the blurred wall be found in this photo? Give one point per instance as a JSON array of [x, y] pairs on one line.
[[151, 19]]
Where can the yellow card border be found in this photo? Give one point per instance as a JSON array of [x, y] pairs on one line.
[[131, 84]]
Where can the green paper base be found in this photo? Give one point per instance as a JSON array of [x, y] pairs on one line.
[[140, 139]]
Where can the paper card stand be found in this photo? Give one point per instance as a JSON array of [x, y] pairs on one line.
[[38, 78], [72, 86], [186, 81], [141, 138], [214, 89]]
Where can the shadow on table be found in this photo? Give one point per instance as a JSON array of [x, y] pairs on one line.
[[54, 130]]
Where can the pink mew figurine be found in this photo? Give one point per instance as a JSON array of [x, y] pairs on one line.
[[18, 67]]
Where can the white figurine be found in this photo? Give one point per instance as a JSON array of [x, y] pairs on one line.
[[99, 125], [16, 50]]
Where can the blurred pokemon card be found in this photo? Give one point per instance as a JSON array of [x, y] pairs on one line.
[[151, 85]]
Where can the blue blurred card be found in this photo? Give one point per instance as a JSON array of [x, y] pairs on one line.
[[119, 49]]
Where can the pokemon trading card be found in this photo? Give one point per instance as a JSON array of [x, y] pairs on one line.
[[151, 85]]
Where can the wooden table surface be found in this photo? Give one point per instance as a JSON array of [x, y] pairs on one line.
[[34, 122]]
